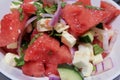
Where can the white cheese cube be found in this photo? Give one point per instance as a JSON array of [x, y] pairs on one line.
[[81, 59], [97, 59], [68, 39], [61, 27], [9, 59], [89, 52], [12, 45], [42, 25], [15, 6], [87, 71]]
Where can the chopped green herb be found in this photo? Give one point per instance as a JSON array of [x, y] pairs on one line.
[[63, 4], [97, 49], [40, 1], [51, 9], [21, 14], [20, 61], [16, 2], [100, 26], [40, 9], [94, 68], [21, 17], [93, 7], [21, 0], [24, 45], [55, 34], [77, 3], [35, 37], [20, 10]]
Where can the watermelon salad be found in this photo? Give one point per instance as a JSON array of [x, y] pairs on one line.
[[59, 38]]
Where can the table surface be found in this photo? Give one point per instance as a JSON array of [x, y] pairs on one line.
[[3, 77]]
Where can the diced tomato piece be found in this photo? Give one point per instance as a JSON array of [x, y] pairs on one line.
[[47, 50], [85, 2], [11, 27], [107, 26], [29, 8], [51, 69], [42, 47], [111, 9], [62, 56], [35, 69], [82, 19], [104, 54]]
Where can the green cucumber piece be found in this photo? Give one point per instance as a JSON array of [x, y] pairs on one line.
[[97, 49], [100, 26], [68, 72], [87, 38]]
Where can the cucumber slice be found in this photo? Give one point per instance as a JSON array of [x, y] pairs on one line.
[[97, 49], [100, 26], [87, 38], [68, 72]]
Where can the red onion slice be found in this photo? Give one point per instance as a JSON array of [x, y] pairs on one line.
[[56, 15], [99, 68], [113, 40], [46, 15], [107, 64], [30, 20], [72, 51], [54, 77], [63, 21], [106, 38], [23, 32]]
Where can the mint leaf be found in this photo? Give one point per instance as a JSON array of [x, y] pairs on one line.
[[93, 7], [51, 9], [16, 3], [35, 37], [21, 14], [20, 61], [40, 9]]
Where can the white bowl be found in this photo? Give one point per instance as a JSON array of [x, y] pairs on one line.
[[16, 74]]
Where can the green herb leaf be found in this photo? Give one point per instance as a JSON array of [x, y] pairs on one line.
[[35, 37], [16, 2], [25, 45], [55, 34], [21, 17], [93, 7], [63, 4], [20, 61], [40, 9], [94, 68], [51, 9], [20, 10], [21, 14], [97, 49], [21, 0], [77, 3]]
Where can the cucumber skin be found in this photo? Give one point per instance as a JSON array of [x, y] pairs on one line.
[[70, 68]]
